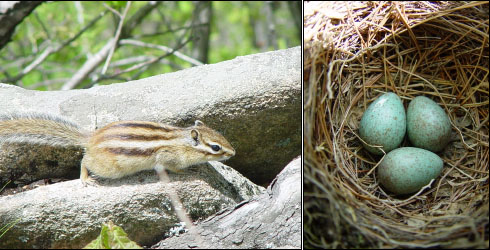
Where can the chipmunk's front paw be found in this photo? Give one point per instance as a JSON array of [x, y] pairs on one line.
[[89, 181]]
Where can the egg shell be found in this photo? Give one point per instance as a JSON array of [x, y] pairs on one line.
[[406, 170], [383, 123], [428, 126]]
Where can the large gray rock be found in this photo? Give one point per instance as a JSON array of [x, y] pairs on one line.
[[254, 101], [271, 220], [68, 215]]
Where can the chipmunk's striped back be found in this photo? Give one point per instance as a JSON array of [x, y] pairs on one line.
[[135, 138]]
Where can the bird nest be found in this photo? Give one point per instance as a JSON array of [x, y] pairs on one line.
[[355, 52]]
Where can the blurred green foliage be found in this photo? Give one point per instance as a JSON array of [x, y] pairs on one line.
[[234, 32]]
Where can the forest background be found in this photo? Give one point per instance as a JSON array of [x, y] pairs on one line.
[[67, 45]]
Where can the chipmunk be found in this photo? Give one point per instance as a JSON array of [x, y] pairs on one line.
[[121, 148]]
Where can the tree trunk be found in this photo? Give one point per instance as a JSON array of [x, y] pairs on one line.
[[201, 29]]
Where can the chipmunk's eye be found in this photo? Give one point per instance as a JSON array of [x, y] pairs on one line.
[[215, 147]]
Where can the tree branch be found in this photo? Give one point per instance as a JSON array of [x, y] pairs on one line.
[[116, 39], [91, 64], [11, 16], [161, 47], [88, 66], [144, 64], [53, 49]]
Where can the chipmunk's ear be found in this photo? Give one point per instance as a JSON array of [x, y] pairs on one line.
[[195, 136], [198, 123]]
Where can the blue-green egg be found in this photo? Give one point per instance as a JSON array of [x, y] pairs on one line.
[[428, 126], [383, 123], [406, 170]]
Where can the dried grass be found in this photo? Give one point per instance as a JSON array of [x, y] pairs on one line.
[[356, 51]]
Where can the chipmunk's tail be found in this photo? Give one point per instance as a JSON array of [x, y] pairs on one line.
[[40, 129]]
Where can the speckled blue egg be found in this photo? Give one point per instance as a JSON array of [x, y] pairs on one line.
[[406, 170], [428, 126], [383, 123]]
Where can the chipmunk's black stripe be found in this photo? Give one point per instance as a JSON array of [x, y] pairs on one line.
[[132, 151], [135, 137], [139, 125], [140, 152]]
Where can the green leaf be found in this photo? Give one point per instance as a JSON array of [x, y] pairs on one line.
[[112, 236]]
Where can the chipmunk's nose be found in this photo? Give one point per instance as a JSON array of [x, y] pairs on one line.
[[230, 153]]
